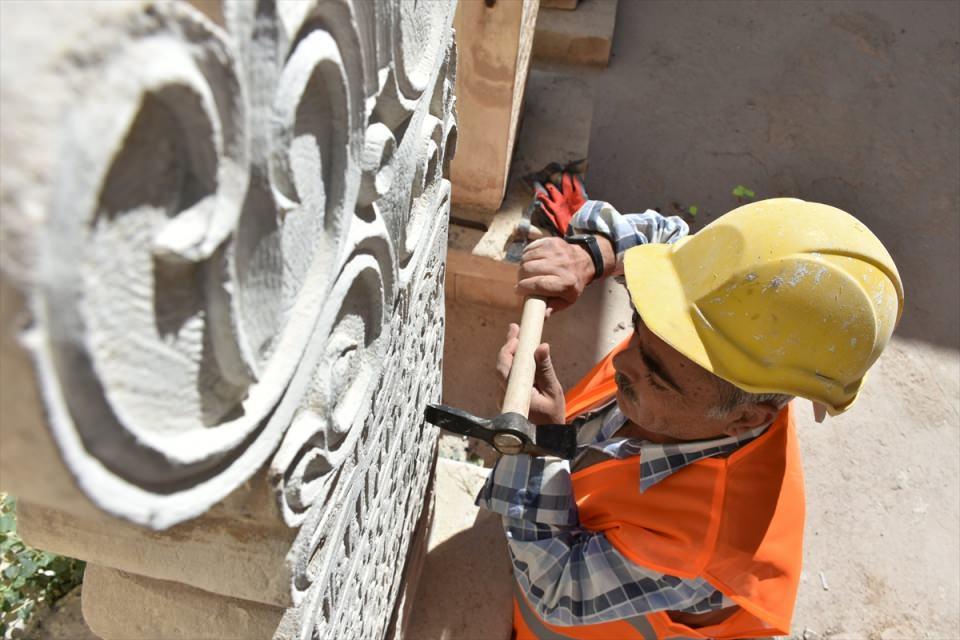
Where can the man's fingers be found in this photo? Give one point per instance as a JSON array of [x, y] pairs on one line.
[[505, 362], [505, 355], [546, 376], [539, 267], [547, 286], [536, 244], [546, 247], [555, 193], [567, 183]]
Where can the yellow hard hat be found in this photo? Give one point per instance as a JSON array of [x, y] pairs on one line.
[[777, 296]]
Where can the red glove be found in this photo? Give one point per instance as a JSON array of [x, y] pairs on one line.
[[561, 204]]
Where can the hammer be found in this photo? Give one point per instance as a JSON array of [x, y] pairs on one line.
[[511, 432]]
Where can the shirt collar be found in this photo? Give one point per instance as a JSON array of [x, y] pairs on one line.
[[659, 461]]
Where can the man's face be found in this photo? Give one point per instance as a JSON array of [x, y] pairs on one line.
[[663, 393]]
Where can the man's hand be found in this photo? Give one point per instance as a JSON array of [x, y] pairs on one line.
[[559, 271], [547, 405]]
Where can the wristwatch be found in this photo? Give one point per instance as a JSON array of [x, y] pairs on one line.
[[590, 243]]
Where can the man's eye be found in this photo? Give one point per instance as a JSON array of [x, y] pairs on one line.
[[654, 383]]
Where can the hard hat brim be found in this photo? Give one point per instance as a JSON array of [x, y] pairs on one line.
[[659, 296]]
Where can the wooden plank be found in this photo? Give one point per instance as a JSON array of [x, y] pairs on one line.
[[493, 55]]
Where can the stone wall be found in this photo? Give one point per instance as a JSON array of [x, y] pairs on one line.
[[223, 251]]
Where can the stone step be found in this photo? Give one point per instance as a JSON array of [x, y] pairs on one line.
[[581, 37]]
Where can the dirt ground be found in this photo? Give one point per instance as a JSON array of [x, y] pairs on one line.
[[849, 103]]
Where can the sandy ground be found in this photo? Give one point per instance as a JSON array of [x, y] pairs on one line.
[[848, 103]]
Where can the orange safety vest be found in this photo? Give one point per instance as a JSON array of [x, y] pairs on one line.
[[736, 522]]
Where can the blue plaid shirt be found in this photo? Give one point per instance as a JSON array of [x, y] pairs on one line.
[[626, 230], [571, 575]]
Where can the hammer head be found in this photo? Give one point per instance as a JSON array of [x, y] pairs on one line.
[[508, 433]]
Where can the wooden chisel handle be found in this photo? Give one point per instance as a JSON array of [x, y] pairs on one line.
[[520, 381]]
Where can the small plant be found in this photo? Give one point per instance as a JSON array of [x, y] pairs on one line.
[[29, 578], [741, 192], [692, 210]]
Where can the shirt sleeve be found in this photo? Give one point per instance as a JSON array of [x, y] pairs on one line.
[[626, 230], [570, 575]]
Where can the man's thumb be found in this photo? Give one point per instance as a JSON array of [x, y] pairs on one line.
[[545, 369]]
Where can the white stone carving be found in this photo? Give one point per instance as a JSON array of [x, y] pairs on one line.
[[241, 265]]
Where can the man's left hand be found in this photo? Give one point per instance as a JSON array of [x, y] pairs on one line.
[[547, 404]]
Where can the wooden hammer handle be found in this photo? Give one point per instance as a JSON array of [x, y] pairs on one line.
[[520, 381]]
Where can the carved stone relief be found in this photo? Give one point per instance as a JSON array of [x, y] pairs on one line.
[[241, 266]]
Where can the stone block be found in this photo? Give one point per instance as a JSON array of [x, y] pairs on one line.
[[221, 273], [581, 37], [123, 606], [223, 556], [466, 587], [494, 41]]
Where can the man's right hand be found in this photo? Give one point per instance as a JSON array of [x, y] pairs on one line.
[[559, 271]]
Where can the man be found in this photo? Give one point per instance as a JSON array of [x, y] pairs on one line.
[[682, 515]]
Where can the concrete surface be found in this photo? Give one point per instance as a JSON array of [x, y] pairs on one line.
[[849, 103], [465, 589]]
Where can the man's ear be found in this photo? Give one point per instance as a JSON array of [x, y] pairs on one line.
[[750, 416]]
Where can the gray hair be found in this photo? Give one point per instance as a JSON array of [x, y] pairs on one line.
[[732, 397]]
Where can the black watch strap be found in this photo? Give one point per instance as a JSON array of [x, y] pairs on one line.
[[590, 243]]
